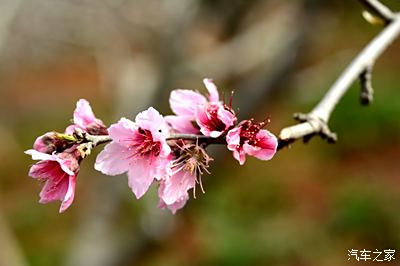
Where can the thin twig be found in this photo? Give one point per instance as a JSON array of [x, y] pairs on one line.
[[200, 138], [97, 140], [316, 122]]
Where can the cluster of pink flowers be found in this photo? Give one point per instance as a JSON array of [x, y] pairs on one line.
[[59, 156], [169, 151]]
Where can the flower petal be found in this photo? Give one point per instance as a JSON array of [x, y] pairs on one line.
[[182, 123], [233, 138], [212, 90], [227, 117], [184, 102], [83, 114], [114, 159], [70, 194], [123, 131], [176, 186], [70, 129], [149, 119], [36, 155], [240, 156], [174, 207], [65, 164], [214, 134], [140, 176], [56, 185], [266, 147]]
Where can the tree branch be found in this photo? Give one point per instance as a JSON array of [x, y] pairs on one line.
[[200, 138], [316, 122], [97, 140]]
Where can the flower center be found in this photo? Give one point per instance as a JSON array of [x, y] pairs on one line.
[[193, 159], [249, 131], [214, 123], [145, 145]]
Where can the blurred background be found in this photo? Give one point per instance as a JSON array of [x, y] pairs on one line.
[[308, 206]]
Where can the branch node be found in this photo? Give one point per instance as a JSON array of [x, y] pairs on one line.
[[319, 125], [309, 126], [366, 96], [326, 133], [301, 117], [378, 9]]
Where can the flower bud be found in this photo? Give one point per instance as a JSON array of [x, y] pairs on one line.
[[51, 142]]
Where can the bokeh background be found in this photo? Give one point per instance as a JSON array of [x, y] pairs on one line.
[[308, 206]]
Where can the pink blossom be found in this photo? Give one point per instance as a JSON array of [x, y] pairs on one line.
[[213, 118], [249, 138], [183, 172], [85, 120], [59, 172], [138, 148]]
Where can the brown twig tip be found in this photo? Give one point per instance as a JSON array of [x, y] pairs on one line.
[[378, 9], [367, 92]]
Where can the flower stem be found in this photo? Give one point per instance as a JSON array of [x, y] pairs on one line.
[[97, 140]]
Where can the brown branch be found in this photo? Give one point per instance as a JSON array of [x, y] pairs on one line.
[[200, 138], [316, 121]]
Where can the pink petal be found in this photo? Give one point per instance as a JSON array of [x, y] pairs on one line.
[[214, 119], [123, 131], [40, 143], [53, 191], [65, 165], [176, 186], [240, 155], [174, 207], [150, 119], [213, 134], [36, 155], [184, 102], [83, 114], [266, 148], [56, 180], [212, 90], [140, 176], [114, 159], [202, 119], [44, 170], [70, 129], [182, 124], [154, 122], [226, 117], [161, 167], [233, 138], [69, 196]]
